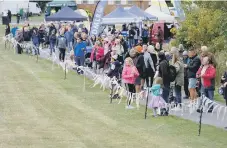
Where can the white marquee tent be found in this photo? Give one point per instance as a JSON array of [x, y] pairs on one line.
[[153, 10]]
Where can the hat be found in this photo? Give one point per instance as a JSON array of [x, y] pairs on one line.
[[139, 49], [185, 53]]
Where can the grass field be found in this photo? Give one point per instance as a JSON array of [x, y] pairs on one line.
[[39, 109]]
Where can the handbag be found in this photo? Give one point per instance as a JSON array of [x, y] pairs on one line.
[[221, 90]]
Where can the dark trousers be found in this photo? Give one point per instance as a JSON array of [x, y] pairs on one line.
[[186, 91], [178, 93], [131, 89], [19, 49], [62, 54]]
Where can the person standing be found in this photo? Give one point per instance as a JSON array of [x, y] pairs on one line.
[[192, 67], [164, 74], [160, 36], [69, 37], [129, 76], [52, 40], [61, 45], [207, 73], [150, 67], [145, 34], [36, 40], [179, 81], [9, 15], [186, 61], [224, 83], [79, 52], [131, 34]]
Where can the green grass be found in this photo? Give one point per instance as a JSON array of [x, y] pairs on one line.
[[39, 109]]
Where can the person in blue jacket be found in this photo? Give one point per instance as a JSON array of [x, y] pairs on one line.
[[36, 40], [14, 30], [69, 37], [79, 52]]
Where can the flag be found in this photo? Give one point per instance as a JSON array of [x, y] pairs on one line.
[[97, 17]]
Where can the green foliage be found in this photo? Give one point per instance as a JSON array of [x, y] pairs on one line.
[[205, 24]]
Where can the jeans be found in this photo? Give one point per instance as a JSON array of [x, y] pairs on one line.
[[131, 43], [36, 49], [209, 93], [52, 49], [178, 93], [70, 46], [79, 61], [186, 91], [62, 54], [165, 93]]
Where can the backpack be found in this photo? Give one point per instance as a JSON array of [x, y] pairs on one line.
[[62, 42], [172, 73]]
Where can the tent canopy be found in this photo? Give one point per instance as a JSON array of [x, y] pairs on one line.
[[142, 14], [160, 15], [120, 16], [66, 14]]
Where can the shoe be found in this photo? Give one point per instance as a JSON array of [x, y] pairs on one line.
[[210, 110], [225, 128], [129, 107], [155, 116]]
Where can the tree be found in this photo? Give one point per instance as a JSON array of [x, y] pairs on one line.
[[204, 25]]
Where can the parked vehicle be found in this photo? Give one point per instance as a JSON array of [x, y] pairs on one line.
[[15, 6]]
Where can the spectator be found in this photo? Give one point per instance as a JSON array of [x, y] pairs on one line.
[[93, 39], [140, 42], [164, 74], [36, 40], [224, 82], [160, 36], [155, 96], [7, 30], [69, 38], [131, 40], [192, 67], [129, 76], [61, 45], [145, 34], [79, 52], [207, 74], [137, 34], [52, 39], [140, 65], [179, 81], [14, 30], [153, 54], [9, 15], [149, 64], [97, 54], [119, 49], [186, 61]]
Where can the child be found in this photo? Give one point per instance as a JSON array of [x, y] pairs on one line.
[[129, 75], [155, 96]]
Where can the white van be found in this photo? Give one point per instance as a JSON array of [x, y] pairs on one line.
[[15, 6], [34, 8]]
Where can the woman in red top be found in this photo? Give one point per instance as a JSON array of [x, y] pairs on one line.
[[207, 73], [97, 54]]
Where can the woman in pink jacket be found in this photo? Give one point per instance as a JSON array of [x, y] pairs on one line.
[[97, 54], [129, 75]]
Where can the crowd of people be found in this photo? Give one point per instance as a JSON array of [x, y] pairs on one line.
[[131, 59]]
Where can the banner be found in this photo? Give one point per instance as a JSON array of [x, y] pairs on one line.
[[97, 17]]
